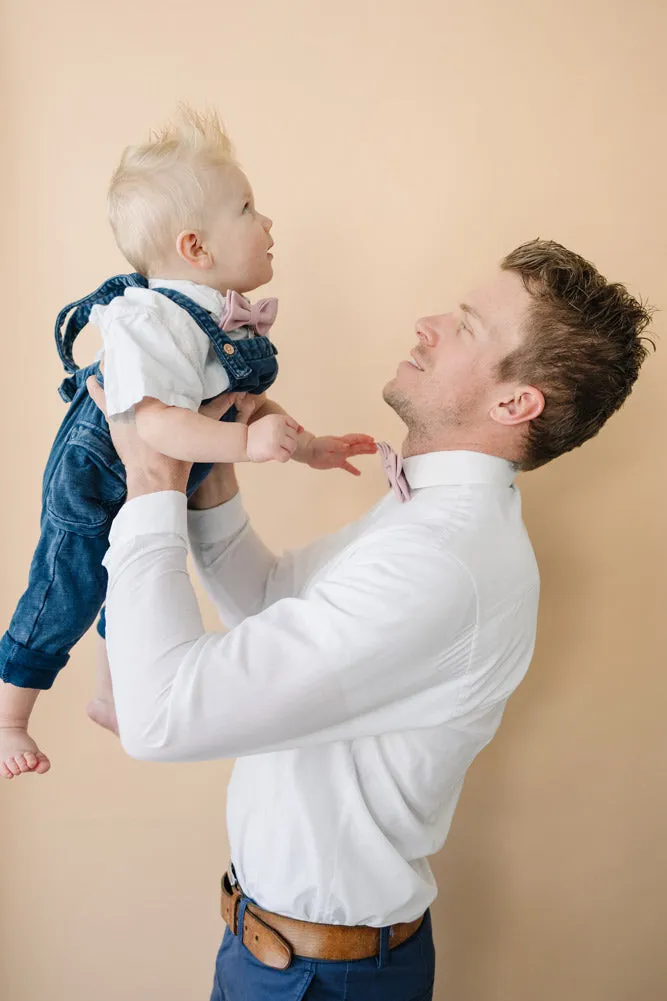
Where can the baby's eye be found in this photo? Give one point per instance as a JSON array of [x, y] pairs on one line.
[[247, 207]]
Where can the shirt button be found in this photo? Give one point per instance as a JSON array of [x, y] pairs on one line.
[[228, 349]]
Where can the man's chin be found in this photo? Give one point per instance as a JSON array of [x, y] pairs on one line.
[[395, 398], [389, 392]]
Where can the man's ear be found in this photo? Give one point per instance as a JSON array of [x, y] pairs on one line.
[[191, 249], [525, 404]]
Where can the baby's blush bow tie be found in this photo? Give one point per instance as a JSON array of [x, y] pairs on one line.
[[241, 313], [393, 468]]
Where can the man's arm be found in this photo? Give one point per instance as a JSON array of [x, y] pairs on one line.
[[380, 628], [232, 562], [219, 487], [240, 574]]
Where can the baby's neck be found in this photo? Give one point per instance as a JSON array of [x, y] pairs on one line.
[[184, 275]]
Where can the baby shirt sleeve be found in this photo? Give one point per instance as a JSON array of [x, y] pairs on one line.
[[150, 351]]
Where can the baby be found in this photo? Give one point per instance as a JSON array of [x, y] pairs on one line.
[[176, 334]]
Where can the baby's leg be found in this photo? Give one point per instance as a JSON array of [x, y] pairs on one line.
[[101, 708], [18, 752]]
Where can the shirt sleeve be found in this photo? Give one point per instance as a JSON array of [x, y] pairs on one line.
[[239, 572], [378, 633], [150, 354]]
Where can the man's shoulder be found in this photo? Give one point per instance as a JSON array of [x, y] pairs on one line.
[[416, 552], [495, 559]]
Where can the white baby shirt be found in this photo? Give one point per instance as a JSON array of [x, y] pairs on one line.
[[153, 348]]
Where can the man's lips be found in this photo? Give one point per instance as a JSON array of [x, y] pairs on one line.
[[414, 361]]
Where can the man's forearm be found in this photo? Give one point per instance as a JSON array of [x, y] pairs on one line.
[[152, 478], [219, 487]]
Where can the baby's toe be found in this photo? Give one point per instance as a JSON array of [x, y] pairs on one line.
[[21, 761]]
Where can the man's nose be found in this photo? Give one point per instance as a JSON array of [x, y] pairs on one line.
[[426, 332]]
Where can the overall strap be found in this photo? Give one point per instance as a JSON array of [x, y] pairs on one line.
[[232, 360], [68, 327]]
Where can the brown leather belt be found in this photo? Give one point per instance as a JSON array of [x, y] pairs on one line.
[[274, 939]]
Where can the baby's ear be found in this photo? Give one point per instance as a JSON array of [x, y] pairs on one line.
[[190, 248]]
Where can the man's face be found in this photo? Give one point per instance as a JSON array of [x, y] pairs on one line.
[[450, 381]]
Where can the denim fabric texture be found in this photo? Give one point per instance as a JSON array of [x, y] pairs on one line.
[[402, 974], [83, 489]]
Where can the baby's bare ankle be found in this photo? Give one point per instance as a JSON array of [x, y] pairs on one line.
[[13, 723]]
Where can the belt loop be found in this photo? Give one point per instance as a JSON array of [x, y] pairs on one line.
[[233, 878], [240, 915], [383, 956]]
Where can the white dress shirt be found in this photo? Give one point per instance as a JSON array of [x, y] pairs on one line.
[[360, 677], [153, 348]]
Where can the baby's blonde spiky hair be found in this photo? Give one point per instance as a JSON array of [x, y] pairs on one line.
[[163, 186]]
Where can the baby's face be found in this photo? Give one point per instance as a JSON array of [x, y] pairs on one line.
[[238, 237]]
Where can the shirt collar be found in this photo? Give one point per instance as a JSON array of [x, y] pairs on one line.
[[209, 298], [437, 469]]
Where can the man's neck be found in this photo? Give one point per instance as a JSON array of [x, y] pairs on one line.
[[492, 444]]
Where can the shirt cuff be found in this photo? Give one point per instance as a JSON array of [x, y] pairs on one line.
[[162, 513], [216, 524]]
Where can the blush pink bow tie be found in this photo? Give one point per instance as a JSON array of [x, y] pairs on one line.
[[241, 313], [393, 468]]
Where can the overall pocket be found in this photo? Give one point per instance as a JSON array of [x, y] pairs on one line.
[[88, 485]]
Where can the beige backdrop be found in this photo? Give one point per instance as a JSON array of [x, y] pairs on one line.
[[401, 148]]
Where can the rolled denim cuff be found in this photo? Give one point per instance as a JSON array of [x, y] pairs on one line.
[[26, 668]]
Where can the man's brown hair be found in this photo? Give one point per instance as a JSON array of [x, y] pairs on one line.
[[583, 347]]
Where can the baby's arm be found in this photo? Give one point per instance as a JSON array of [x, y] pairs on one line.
[[322, 451], [192, 437], [267, 407]]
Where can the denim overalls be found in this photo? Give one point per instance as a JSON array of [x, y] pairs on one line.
[[84, 488]]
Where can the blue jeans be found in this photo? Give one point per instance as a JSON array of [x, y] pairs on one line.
[[402, 974]]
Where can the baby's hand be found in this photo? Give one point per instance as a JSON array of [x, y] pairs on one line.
[[272, 437], [329, 452]]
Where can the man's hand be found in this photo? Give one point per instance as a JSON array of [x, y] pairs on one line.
[[149, 471], [329, 452], [273, 437]]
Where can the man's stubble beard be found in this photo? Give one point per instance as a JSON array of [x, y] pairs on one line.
[[401, 404], [422, 425]]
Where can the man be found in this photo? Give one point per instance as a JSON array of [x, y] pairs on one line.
[[363, 674]]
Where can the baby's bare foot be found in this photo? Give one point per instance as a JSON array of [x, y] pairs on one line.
[[19, 753], [103, 712]]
